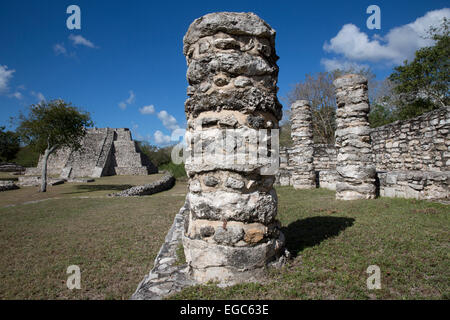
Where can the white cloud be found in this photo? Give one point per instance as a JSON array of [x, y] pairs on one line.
[[38, 95], [80, 40], [399, 44], [59, 49], [18, 95], [5, 76], [147, 109], [168, 120], [333, 64], [123, 104], [131, 98], [161, 138]]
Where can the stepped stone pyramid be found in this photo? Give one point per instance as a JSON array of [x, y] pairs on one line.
[[104, 152]]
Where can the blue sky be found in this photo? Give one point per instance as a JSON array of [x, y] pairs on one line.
[[126, 67]]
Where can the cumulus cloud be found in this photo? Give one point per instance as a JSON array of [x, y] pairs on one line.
[[80, 40], [161, 138], [5, 76], [334, 64], [398, 44], [123, 104], [168, 120], [147, 109]]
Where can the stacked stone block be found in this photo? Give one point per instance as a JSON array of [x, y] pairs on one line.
[[355, 168], [231, 233], [303, 175]]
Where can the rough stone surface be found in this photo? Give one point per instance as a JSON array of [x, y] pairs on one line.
[[303, 177], [410, 146], [165, 183], [421, 143], [423, 185], [232, 75], [8, 185], [11, 167], [355, 168], [104, 152], [168, 275]]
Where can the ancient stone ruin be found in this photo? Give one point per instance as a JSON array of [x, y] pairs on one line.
[[411, 158], [304, 176], [104, 152], [231, 232], [355, 169]]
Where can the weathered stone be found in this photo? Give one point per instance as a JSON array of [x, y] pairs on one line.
[[104, 152], [165, 183], [355, 168], [230, 199], [303, 176]]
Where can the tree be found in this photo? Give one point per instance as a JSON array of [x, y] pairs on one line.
[[9, 145], [423, 84], [51, 126], [319, 90]]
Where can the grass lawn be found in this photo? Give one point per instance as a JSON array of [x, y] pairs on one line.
[[114, 241]]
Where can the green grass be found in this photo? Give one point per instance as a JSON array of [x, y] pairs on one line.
[[115, 240], [177, 170], [333, 243]]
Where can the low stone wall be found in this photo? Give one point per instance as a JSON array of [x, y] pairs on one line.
[[8, 185], [426, 185], [11, 167], [34, 181], [168, 274], [165, 183]]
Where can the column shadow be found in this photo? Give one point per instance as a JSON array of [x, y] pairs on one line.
[[311, 231]]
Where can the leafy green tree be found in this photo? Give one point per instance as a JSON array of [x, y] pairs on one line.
[[49, 126], [9, 145], [423, 84], [380, 115]]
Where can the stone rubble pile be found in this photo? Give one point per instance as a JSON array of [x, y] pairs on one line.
[[355, 168], [8, 185], [231, 230], [163, 184]]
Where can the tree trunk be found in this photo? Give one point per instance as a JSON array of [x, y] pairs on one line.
[[44, 170]]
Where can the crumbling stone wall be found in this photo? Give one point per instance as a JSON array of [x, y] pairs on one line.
[[421, 143], [231, 231]]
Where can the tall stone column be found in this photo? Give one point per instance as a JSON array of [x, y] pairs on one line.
[[231, 233], [303, 175], [355, 168]]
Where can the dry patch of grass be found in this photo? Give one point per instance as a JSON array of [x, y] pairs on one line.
[[100, 187], [113, 240]]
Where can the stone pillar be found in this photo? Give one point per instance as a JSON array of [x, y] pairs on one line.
[[355, 168], [303, 175], [231, 233]]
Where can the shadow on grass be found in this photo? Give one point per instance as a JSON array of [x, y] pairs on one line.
[[311, 231], [83, 188]]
